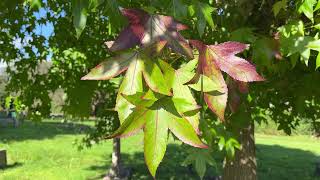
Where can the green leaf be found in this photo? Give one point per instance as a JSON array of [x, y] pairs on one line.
[[156, 121], [305, 55], [155, 78], [112, 9], [221, 143], [263, 51], [314, 45], [317, 6], [278, 6], [140, 99], [155, 138], [134, 122], [203, 13], [207, 84], [317, 26], [307, 8], [178, 9], [168, 73], [182, 129], [80, 13], [295, 44], [160, 117], [318, 61], [186, 105], [190, 66], [112, 67], [93, 4], [183, 99], [35, 4], [131, 84], [294, 28], [199, 158], [200, 167], [244, 35]]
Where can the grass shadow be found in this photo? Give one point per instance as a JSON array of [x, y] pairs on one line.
[[281, 163], [170, 167], [11, 166], [274, 162], [38, 131]]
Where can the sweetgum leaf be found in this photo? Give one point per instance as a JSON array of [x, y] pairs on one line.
[[278, 6], [178, 9], [214, 58], [156, 120], [156, 78], [79, 13], [203, 13], [237, 68], [183, 99], [134, 122], [145, 29], [216, 101], [318, 61], [206, 84], [317, 6], [307, 8], [131, 84], [112, 67], [155, 138], [199, 158]]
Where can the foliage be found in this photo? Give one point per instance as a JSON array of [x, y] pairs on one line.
[[157, 109]]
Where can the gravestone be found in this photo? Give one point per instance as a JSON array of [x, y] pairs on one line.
[[3, 158]]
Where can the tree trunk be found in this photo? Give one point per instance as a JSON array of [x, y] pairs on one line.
[[116, 158], [243, 166]]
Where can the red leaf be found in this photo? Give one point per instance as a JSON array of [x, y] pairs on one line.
[[128, 38], [213, 59], [237, 68], [170, 23], [145, 29], [216, 100], [135, 16], [229, 48]]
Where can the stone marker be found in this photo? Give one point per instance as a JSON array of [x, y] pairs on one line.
[[3, 158]]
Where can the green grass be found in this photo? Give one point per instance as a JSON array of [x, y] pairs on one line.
[[47, 151]]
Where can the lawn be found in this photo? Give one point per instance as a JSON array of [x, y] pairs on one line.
[[47, 151]]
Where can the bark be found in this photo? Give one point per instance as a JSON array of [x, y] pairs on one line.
[[116, 158], [243, 166]]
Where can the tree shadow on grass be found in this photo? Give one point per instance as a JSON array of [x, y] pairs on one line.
[[38, 131], [170, 168], [280, 163], [274, 163], [11, 166]]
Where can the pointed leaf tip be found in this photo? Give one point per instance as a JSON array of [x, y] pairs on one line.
[[112, 67]]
